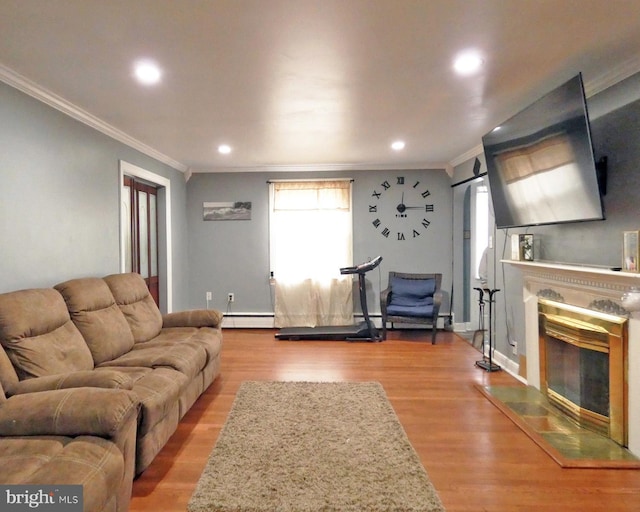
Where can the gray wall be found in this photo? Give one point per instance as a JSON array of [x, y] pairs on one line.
[[233, 256], [615, 126], [59, 198], [59, 213]]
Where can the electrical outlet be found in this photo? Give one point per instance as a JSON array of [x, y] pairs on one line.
[[514, 348], [209, 295], [231, 297]]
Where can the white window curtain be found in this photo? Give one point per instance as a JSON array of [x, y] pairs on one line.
[[310, 240]]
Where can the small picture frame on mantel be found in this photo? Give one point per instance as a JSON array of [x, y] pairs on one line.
[[630, 245]]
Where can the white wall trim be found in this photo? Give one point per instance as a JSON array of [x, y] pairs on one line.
[[508, 365], [139, 172], [38, 92], [248, 321], [591, 88], [612, 77], [327, 167], [266, 321], [467, 155]]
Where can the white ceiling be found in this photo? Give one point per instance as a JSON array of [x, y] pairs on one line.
[[325, 84]]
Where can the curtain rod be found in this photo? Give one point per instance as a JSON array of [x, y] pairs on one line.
[[481, 175], [310, 179]]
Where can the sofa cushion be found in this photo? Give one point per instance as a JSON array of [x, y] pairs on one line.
[[39, 336], [134, 300], [187, 357], [95, 313], [209, 338], [21, 457], [157, 392], [93, 462]]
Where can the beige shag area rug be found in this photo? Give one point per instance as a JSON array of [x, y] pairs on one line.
[[313, 447]]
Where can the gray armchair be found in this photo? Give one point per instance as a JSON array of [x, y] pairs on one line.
[[413, 299]]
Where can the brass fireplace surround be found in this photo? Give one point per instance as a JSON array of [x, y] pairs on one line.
[[589, 330]]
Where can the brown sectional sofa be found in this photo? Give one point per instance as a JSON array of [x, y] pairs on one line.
[[93, 382]]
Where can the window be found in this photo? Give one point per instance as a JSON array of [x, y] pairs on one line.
[[310, 240]]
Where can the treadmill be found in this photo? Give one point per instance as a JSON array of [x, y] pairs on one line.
[[364, 331]]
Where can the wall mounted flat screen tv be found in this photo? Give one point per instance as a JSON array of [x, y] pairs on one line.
[[540, 162]]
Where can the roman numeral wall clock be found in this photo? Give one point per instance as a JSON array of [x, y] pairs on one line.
[[401, 209]]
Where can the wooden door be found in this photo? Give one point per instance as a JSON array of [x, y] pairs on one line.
[[141, 243]]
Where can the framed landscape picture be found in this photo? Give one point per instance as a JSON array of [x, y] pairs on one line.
[[233, 210], [630, 251]]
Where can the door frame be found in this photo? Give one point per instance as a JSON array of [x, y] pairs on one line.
[[164, 204], [473, 256]]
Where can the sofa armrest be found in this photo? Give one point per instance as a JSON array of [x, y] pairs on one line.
[[193, 318], [85, 379], [68, 412]]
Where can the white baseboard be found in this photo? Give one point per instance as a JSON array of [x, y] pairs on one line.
[[266, 321], [248, 321], [460, 327], [508, 365]]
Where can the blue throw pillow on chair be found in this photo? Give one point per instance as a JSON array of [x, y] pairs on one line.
[[412, 297], [412, 288]]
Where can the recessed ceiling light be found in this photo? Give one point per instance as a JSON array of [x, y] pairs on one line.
[[468, 63], [225, 149], [398, 145], [147, 72]]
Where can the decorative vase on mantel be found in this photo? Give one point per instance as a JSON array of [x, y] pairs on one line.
[[631, 300]]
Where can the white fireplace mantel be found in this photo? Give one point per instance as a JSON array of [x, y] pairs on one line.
[[600, 278], [583, 286]]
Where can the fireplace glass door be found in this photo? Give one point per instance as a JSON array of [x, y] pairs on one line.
[[581, 375]]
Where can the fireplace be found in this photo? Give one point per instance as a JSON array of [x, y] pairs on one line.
[[583, 361], [599, 291]]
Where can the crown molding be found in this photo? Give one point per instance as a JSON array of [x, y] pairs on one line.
[[612, 77], [327, 167], [467, 155], [34, 90], [591, 88]]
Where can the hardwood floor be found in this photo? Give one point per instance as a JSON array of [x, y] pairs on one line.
[[476, 457]]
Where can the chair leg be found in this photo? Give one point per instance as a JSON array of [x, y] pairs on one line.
[[384, 330], [433, 335]]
